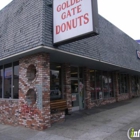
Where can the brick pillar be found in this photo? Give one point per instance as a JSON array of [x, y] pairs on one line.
[[87, 88], [116, 85], [129, 86], [35, 115], [67, 85]]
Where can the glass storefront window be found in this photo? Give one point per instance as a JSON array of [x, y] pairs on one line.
[[8, 81], [15, 80], [74, 72], [92, 84], [1, 81], [101, 85], [105, 85], [55, 82], [74, 91], [110, 84], [133, 84], [80, 72], [74, 86], [123, 82]]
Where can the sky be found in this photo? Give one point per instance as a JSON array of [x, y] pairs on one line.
[[122, 13]]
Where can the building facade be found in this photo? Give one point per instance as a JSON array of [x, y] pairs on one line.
[[90, 72], [138, 41]]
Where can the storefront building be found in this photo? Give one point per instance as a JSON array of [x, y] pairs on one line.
[[35, 74]]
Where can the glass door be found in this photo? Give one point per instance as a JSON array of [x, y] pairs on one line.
[[75, 95], [77, 88]]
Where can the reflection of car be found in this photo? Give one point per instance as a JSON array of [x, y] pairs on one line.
[[55, 93]]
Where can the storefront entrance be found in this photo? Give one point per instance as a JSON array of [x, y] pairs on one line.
[[77, 88]]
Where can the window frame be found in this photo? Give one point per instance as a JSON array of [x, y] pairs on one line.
[[109, 75], [3, 67]]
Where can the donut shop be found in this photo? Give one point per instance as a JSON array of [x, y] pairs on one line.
[[61, 56]]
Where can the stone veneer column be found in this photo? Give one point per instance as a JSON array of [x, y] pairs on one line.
[[116, 85], [67, 85], [35, 116], [87, 88]]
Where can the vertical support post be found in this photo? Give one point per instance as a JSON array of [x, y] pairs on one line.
[[36, 115], [67, 85], [87, 88]]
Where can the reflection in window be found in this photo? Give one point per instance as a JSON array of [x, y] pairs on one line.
[[74, 72], [80, 72], [1, 77], [92, 84], [15, 80], [101, 85], [134, 84], [74, 86], [107, 85], [7, 81], [55, 82], [98, 84], [123, 80], [74, 91]]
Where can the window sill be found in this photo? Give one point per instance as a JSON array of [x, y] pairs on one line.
[[6, 99]]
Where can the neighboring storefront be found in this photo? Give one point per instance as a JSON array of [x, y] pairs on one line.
[[40, 82]]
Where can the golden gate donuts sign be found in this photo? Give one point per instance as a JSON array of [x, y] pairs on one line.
[[73, 18]]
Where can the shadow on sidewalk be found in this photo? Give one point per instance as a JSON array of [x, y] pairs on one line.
[[95, 110]]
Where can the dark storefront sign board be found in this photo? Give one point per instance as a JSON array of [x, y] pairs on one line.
[[66, 12], [138, 54]]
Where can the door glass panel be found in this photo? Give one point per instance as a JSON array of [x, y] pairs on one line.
[[7, 81], [75, 94], [74, 72], [80, 72], [74, 86], [55, 82]]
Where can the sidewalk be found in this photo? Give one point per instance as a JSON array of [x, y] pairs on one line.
[[110, 122]]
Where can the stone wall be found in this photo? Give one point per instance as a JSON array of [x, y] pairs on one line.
[[57, 117], [124, 96], [34, 110], [89, 103], [9, 111], [67, 85], [108, 101]]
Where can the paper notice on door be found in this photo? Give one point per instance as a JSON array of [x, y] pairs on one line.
[[73, 97]]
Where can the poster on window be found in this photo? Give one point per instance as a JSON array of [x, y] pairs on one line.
[[73, 98], [100, 95]]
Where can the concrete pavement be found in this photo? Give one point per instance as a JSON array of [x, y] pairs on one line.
[[110, 122]]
